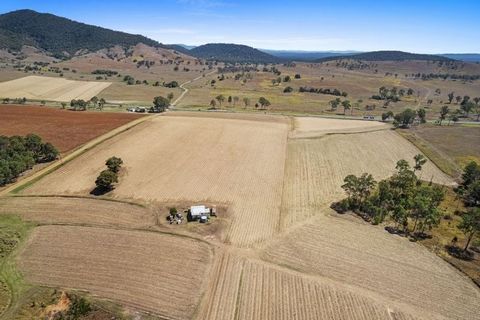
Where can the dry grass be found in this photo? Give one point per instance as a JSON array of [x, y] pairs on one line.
[[450, 147], [140, 269], [360, 85], [225, 161], [52, 89]]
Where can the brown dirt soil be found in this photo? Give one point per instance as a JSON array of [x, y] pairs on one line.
[[192, 159], [146, 270], [65, 129]]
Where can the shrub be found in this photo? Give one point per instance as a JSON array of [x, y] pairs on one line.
[[106, 179], [114, 164]]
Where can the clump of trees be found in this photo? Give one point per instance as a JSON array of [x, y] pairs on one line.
[[392, 94], [160, 104], [18, 154], [107, 178], [469, 192], [333, 92], [411, 204], [405, 118]]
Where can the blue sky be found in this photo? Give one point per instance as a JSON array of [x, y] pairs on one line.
[[423, 26]]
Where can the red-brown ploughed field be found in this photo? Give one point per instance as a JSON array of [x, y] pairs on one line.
[[65, 129]]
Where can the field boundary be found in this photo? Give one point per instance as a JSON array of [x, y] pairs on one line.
[[25, 183], [442, 161]]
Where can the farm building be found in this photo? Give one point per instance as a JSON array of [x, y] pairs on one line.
[[200, 212]]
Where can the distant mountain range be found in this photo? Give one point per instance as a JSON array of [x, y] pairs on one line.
[[64, 38], [387, 56], [233, 53]]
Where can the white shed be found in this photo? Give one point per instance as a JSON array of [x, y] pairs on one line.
[[197, 211]]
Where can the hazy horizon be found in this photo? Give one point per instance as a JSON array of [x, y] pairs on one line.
[[426, 27]]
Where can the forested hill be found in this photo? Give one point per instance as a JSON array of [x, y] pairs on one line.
[[233, 53], [61, 36], [387, 56]]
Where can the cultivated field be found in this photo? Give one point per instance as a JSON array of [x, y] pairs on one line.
[[140, 269], [243, 288], [65, 129], [77, 211], [305, 127], [285, 255], [368, 258], [51, 89], [315, 168], [193, 159]]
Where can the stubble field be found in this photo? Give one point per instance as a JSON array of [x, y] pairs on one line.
[[193, 159], [51, 89], [140, 269], [285, 256]]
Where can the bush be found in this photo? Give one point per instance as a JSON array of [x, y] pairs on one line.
[[288, 89], [106, 179], [114, 164]]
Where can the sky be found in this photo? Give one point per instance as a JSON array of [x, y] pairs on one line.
[[421, 26]]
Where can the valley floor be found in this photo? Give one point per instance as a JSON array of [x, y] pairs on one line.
[[278, 251]]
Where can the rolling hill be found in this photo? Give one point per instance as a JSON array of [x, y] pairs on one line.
[[233, 53], [387, 56], [62, 37]]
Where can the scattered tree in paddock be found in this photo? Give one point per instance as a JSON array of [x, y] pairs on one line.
[[443, 113], [263, 102], [220, 98], [346, 106], [160, 104], [246, 102], [470, 225], [451, 95], [405, 118], [288, 89]]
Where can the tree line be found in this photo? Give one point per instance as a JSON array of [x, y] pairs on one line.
[[220, 100], [333, 92], [18, 154]]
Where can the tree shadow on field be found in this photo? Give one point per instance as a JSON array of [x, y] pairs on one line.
[[459, 253], [100, 191]]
